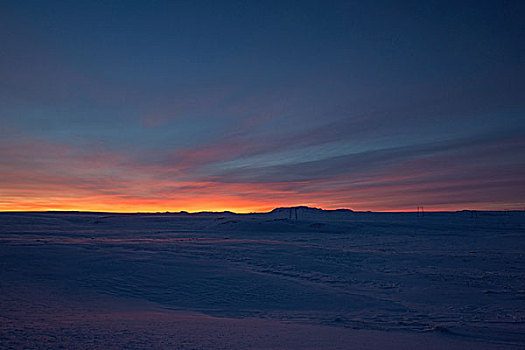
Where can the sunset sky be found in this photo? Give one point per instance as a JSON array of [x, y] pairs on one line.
[[250, 105]]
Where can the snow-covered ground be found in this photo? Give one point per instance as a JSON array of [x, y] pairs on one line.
[[290, 279]]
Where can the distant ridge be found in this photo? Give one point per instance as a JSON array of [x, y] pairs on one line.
[[304, 212], [306, 209]]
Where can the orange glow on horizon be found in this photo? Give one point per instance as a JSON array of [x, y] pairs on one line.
[[161, 196], [45, 176], [209, 205]]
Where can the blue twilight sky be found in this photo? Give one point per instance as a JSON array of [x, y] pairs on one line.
[[248, 105]]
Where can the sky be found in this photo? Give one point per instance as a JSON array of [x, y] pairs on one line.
[[138, 106]]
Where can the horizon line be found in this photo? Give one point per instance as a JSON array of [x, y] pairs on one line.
[[258, 212]]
